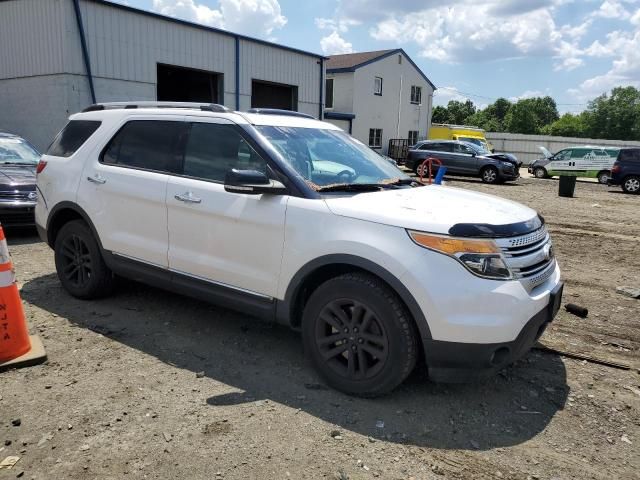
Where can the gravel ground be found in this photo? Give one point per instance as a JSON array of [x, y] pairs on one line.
[[148, 384]]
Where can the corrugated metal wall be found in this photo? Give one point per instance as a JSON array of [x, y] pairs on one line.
[[32, 37], [525, 147], [126, 46]]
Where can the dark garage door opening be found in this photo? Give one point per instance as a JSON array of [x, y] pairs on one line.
[[179, 84], [273, 95]]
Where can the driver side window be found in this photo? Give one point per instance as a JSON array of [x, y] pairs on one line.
[[214, 149], [562, 155], [459, 148]]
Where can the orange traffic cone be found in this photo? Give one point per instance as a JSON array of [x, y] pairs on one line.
[[17, 347]]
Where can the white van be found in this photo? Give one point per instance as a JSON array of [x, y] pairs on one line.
[[586, 161]]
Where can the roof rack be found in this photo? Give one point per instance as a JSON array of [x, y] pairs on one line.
[[208, 107], [277, 111]]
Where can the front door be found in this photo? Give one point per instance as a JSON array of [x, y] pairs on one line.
[[231, 239], [465, 160], [123, 188]]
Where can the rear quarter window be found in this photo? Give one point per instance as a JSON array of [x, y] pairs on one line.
[[630, 156], [72, 137]]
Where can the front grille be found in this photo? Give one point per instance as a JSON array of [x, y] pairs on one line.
[[15, 196], [530, 257]]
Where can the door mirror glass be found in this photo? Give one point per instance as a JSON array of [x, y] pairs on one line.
[[251, 182]]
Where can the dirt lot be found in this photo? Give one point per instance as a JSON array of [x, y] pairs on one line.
[[148, 384]]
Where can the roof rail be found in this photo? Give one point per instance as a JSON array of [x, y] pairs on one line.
[[277, 111], [209, 107]]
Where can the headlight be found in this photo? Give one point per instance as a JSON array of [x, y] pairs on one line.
[[481, 257]]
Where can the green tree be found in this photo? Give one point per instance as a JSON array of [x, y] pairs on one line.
[[521, 119], [497, 111], [440, 114], [458, 112], [615, 116], [568, 125]]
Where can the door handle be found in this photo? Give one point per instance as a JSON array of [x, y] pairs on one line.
[[97, 179], [188, 197]]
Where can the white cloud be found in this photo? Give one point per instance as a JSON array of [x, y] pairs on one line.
[[611, 9], [635, 19], [341, 25], [460, 33], [624, 47], [334, 44], [443, 95], [527, 94], [251, 17]]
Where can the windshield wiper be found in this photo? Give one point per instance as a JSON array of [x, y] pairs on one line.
[[17, 163], [351, 187]]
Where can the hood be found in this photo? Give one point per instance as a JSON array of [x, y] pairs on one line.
[[545, 152], [17, 175], [432, 208], [505, 157]]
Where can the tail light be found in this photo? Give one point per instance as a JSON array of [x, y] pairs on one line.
[[616, 168], [40, 167]]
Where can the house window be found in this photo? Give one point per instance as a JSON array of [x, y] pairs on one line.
[[375, 137], [416, 95], [413, 137], [377, 86], [329, 92]]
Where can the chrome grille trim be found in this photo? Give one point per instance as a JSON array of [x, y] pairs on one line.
[[527, 256]]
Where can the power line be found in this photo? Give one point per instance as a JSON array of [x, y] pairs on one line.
[[475, 95]]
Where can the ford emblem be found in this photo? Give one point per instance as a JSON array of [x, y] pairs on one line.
[[32, 196]]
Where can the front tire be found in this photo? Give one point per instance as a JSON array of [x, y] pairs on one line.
[[540, 172], [489, 175], [631, 184], [358, 335], [79, 263]]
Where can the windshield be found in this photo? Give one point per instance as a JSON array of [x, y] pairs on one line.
[[478, 142], [16, 150], [328, 157]]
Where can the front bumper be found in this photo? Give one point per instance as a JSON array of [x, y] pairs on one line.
[[17, 213], [463, 362]]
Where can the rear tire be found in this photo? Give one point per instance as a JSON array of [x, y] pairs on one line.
[[631, 184], [489, 175], [358, 335], [540, 172], [79, 263], [603, 177]]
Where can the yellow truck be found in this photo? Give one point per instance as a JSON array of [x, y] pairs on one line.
[[463, 133]]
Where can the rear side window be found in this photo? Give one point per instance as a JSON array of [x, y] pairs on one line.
[[147, 145], [630, 156], [72, 137]]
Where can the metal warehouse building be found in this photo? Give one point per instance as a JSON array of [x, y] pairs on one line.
[[58, 56]]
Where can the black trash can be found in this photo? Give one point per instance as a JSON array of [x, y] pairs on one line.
[[567, 186]]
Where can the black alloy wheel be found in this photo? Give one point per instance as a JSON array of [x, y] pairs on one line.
[[351, 339]]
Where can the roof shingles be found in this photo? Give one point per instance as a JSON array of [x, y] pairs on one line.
[[350, 60]]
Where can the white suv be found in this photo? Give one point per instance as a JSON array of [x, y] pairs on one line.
[[288, 218]]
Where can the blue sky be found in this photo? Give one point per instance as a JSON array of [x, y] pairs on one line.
[[572, 50]]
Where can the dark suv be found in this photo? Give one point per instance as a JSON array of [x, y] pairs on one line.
[[626, 170], [463, 158], [18, 161]]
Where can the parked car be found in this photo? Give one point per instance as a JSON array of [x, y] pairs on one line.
[[626, 170], [585, 161], [18, 160], [463, 158], [373, 267]]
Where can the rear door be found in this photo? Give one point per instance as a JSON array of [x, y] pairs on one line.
[[123, 187], [229, 239]]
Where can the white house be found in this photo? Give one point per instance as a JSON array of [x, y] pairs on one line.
[[378, 96]]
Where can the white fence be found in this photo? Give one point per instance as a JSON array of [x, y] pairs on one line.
[[525, 147]]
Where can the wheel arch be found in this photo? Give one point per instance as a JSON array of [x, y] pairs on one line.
[[316, 272], [63, 213]]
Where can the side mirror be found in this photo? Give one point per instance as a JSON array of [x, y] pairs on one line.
[[251, 182], [473, 154]]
